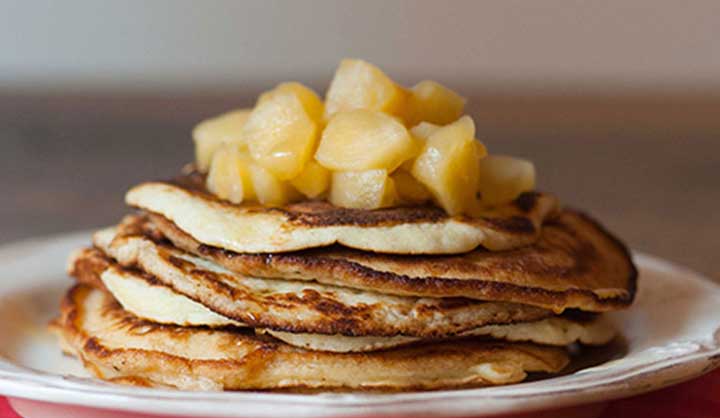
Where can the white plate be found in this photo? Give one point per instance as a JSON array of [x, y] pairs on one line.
[[672, 332]]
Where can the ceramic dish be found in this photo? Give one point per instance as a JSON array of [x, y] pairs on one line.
[[672, 333]]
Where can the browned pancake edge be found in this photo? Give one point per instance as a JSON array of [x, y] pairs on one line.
[[573, 265]]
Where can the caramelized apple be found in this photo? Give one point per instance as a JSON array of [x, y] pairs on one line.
[[313, 181], [423, 130], [269, 190], [229, 176], [432, 102], [370, 189], [364, 140], [360, 85], [356, 150], [209, 134], [503, 178], [409, 190], [448, 166], [281, 133], [310, 101], [420, 133]]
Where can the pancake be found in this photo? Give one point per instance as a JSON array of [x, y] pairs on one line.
[[282, 305], [575, 264], [114, 344], [252, 228], [147, 298], [558, 331]]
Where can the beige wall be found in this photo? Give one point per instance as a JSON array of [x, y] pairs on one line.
[[539, 45]]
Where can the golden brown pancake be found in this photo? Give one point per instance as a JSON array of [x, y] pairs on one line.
[[575, 264], [148, 298], [252, 228], [281, 305], [557, 330], [114, 344]]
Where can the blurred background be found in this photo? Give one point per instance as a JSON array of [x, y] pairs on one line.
[[616, 102]]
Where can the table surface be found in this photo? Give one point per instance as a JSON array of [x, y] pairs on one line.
[[647, 166]]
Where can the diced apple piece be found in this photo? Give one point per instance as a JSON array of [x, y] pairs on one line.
[[313, 181], [371, 189], [409, 189], [310, 101], [448, 166], [281, 134], [209, 134], [229, 176], [420, 133], [502, 178], [360, 85], [432, 102], [364, 140], [269, 190], [423, 130]]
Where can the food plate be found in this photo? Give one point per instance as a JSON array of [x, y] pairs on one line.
[[672, 333]]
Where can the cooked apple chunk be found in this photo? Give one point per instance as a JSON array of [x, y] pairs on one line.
[[281, 133], [310, 101], [423, 130], [269, 190], [448, 166], [364, 140], [419, 133], [432, 102], [360, 85], [409, 190], [372, 144], [313, 181], [370, 189], [209, 134], [229, 176], [502, 178]]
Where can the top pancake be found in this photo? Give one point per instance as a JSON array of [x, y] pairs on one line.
[[575, 264], [251, 228]]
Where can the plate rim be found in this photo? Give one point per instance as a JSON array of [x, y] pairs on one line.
[[21, 382]]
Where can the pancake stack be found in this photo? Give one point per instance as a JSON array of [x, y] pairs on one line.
[[364, 242], [188, 293]]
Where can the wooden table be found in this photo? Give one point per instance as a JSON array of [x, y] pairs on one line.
[[647, 166]]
